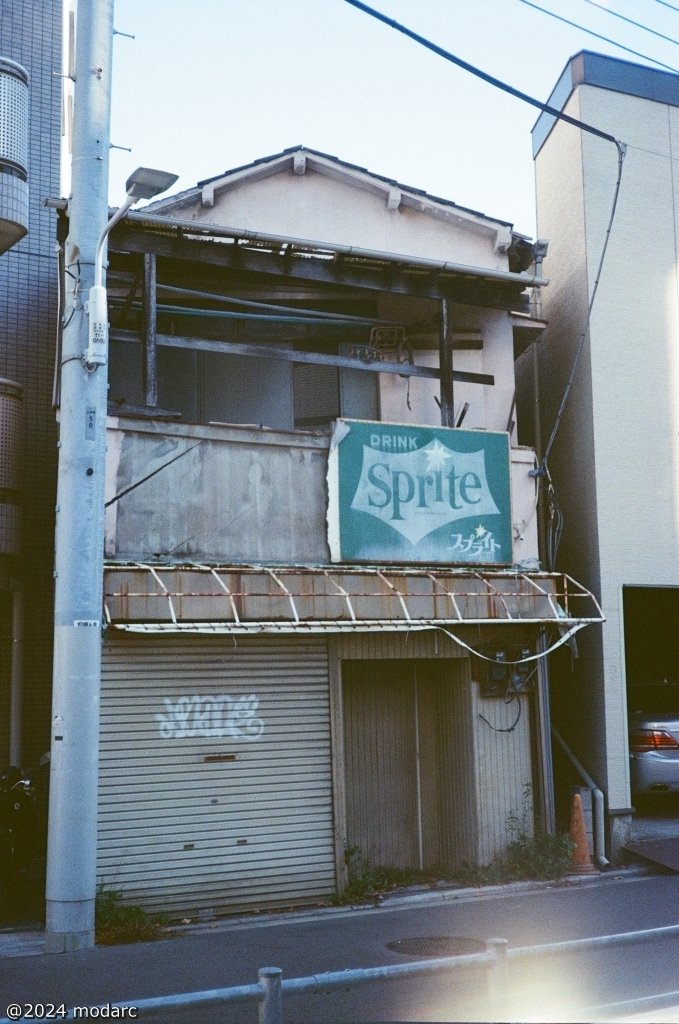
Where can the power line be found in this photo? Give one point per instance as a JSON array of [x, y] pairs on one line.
[[637, 24], [556, 517], [665, 4], [435, 48], [597, 35]]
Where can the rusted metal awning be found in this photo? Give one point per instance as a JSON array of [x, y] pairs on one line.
[[147, 598]]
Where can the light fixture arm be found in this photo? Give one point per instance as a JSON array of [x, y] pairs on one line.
[[144, 183], [128, 202]]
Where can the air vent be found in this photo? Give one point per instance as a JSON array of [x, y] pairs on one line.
[[13, 153]]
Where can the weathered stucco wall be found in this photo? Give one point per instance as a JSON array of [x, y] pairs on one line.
[[315, 206], [239, 495]]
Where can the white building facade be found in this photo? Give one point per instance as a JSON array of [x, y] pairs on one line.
[[615, 457]]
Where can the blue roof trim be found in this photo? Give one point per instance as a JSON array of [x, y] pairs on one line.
[[587, 68]]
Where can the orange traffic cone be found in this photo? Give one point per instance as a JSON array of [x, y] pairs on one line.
[[581, 862]]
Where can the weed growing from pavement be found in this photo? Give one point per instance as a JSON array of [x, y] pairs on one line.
[[366, 883], [528, 856], [117, 922], [541, 855], [544, 857]]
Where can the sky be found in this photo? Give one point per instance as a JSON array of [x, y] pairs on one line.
[[211, 85]]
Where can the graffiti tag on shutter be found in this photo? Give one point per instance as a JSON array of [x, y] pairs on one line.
[[211, 717]]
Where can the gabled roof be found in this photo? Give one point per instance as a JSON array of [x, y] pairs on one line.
[[300, 158]]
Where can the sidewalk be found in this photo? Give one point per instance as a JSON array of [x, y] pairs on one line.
[[24, 941], [230, 951]]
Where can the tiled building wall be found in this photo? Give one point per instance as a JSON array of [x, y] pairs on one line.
[[30, 33]]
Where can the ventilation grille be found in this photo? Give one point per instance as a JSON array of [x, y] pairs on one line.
[[13, 115]]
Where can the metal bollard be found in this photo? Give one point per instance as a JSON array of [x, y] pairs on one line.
[[271, 1004], [498, 977]]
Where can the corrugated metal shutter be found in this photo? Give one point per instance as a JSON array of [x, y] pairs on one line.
[[216, 788], [403, 765]]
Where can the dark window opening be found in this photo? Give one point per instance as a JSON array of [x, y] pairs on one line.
[[652, 648]]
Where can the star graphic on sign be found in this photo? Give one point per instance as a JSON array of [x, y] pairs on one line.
[[480, 531], [436, 455]]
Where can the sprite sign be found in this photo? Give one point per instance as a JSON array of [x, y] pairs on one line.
[[403, 493]]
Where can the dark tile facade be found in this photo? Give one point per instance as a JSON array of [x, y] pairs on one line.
[[30, 33]]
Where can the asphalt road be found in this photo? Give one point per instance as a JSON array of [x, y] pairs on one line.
[[560, 988]]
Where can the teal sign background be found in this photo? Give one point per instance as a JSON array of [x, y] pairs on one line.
[[404, 493]]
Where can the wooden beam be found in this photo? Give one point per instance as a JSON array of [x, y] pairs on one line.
[[149, 361], [446, 365], [290, 355], [466, 290]]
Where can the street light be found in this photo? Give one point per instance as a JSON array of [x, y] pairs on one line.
[[144, 183]]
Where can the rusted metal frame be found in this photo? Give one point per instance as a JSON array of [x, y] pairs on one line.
[[213, 572], [545, 593], [568, 595], [491, 590], [322, 626], [285, 590], [559, 615], [465, 290], [437, 583], [286, 626], [398, 593], [149, 361], [297, 356], [345, 593], [165, 592], [446, 367], [583, 593]]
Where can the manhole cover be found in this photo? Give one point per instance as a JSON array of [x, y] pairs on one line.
[[437, 945]]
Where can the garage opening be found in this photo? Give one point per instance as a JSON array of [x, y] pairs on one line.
[[652, 662], [405, 756], [651, 617]]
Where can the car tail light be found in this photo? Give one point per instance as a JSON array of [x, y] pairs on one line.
[[652, 739]]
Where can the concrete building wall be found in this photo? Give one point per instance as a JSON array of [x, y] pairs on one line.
[[30, 33], [616, 459], [578, 690], [234, 483]]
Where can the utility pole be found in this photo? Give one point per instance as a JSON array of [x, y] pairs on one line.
[[72, 836]]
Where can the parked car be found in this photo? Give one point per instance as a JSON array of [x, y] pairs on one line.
[[654, 739]]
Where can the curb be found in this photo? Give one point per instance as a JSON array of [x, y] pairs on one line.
[[31, 943]]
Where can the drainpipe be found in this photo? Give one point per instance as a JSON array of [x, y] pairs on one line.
[[597, 796], [16, 673], [540, 251]]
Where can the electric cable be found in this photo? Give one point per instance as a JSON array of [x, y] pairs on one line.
[[597, 35], [564, 638], [483, 75], [556, 517], [509, 728], [637, 24], [569, 383], [555, 523], [508, 699], [664, 3]]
